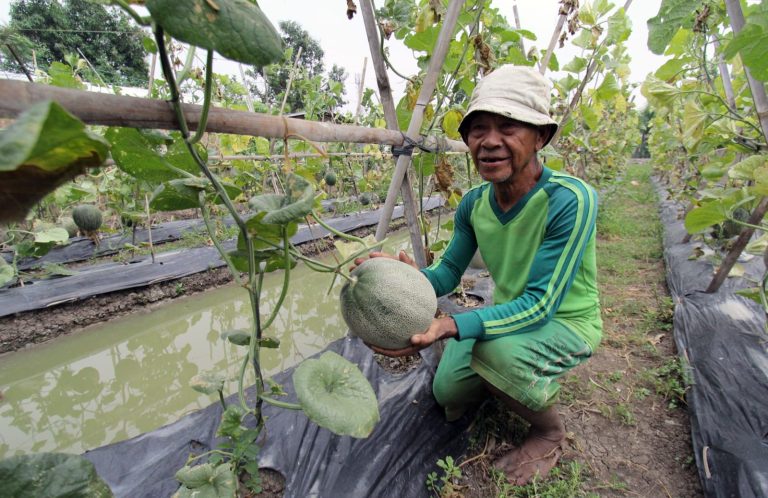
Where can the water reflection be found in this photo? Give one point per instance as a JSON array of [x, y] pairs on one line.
[[129, 376]]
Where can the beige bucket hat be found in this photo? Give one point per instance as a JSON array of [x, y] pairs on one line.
[[517, 92]]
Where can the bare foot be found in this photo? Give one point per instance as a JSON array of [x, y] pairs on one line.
[[536, 456]]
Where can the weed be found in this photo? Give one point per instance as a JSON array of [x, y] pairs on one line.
[[565, 481], [444, 485], [668, 381], [625, 414]]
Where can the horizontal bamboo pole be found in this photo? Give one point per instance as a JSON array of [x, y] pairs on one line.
[[307, 155], [135, 112]]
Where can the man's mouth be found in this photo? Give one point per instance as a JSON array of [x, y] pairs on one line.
[[492, 160]]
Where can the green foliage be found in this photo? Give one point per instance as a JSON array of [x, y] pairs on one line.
[[106, 37], [672, 15], [237, 29], [42, 149], [207, 481], [51, 475], [669, 381], [336, 395], [444, 485]]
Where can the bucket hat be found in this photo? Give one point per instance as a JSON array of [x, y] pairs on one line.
[[517, 92]]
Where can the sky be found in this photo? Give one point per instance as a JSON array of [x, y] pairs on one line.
[[344, 41]]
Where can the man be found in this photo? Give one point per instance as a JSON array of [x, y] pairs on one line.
[[535, 230]]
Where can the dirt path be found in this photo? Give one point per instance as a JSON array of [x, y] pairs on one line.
[[629, 432]]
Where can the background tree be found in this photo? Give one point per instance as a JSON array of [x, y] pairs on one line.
[[309, 80], [107, 38]]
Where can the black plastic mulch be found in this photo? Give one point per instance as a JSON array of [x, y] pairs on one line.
[[141, 272], [724, 340], [392, 462]]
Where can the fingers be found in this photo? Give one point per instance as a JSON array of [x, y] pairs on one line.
[[372, 254], [407, 259], [409, 351]]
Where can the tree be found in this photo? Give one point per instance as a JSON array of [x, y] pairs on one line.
[[276, 76], [107, 38]]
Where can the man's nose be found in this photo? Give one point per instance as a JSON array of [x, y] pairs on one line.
[[492, 138]]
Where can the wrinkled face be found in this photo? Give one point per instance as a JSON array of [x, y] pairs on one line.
[[502, 147]]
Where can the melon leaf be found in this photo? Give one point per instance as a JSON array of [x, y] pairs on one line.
[[52, 475], [335, 395], [206, 481], [207, 382], [237, 29], [283, 209], [43, 148]]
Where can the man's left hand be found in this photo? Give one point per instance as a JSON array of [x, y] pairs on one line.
[[441, 328]]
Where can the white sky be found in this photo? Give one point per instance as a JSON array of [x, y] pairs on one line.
[[345, 44]]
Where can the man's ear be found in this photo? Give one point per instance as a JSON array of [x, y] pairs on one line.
[[545, 134]]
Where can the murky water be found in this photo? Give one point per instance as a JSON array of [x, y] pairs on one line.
[[119, 379]]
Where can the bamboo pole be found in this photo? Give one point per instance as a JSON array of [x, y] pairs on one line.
[[248, 97], [543, 63], [390, 116], [733, 8], [306, 155], [425, 95], [360, 88], [517, 25], [134, 112]]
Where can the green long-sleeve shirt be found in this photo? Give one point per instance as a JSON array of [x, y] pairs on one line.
[[540, 254]]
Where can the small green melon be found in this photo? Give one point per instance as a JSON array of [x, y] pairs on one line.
[[330, 178], [386, 302], [87, 218]]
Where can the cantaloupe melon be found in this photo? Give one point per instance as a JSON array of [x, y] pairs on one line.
[[386, 302]]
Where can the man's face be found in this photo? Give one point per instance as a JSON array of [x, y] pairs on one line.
[[502, 147]]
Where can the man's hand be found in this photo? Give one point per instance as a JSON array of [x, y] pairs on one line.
[[441, 328], [402, 256]]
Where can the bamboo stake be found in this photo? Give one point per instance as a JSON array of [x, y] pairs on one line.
[[151, 75], [360, 88], [517, 25], [248, 97], [19, 61], [390, 116], [553, 41], [425, 95], [735, 14], [117, 110]]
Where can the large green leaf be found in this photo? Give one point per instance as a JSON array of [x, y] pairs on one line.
[[283, 209], [43, 148], [671, 69], [591, 118], [51, 475], [745, 169], [576, 65], [133, 153], [658, 92], [619, 27], [237, 29], [7, 273], [335, 395], [705, 216], [207, 481], [672, 15], [208, 382], [608, 89], [694, 121], [752, 44], [182, 193], [423, 41]]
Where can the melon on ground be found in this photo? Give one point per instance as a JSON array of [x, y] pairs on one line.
[[387, 302]]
